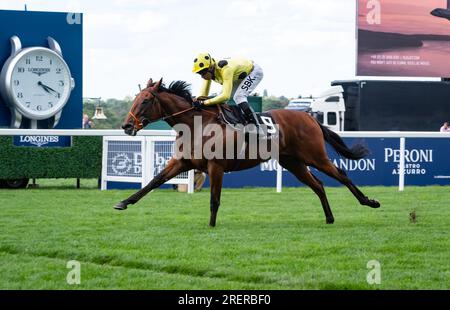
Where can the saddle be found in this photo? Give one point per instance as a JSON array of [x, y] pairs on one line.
[[231, 115]]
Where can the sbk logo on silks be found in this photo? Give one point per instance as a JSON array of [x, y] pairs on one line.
[[248, 83]]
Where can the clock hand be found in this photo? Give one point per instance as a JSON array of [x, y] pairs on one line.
[[43, 86], [47, 88]]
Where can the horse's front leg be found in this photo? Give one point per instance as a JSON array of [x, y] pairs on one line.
[[173, 168], [215, 173]]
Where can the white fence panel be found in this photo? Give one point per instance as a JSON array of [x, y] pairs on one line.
[[139, 159], [122, 160]]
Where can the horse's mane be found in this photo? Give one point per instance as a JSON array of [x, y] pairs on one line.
[[179, 88]]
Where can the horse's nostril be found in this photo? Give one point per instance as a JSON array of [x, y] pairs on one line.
[[125, 126]]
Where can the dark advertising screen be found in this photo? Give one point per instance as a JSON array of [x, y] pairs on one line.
[[403, 38]]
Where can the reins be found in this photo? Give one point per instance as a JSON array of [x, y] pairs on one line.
[[139, 124]]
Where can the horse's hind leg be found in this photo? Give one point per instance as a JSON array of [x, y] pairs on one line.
[[299, 169], [331, 170]]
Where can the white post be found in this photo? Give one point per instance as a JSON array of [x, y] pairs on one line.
[[191, 175], [279, 177], [104, 163], [145, 178], [150, 156], [401, 174]]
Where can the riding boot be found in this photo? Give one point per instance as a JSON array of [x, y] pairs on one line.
[[249, 113]]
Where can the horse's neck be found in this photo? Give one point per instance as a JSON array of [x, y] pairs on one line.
[[175, 104]]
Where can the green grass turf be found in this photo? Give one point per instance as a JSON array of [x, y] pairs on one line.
[[263, 240]]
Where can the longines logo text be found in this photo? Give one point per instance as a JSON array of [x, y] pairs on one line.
[[39, 71], [39, 140]]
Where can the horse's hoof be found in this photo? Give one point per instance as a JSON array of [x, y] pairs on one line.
[[330, 220], [374, 203], [121, 206]]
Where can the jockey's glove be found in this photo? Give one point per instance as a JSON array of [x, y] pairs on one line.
[[198, 103]]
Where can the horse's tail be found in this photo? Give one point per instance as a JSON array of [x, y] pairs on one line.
[[357, 151]]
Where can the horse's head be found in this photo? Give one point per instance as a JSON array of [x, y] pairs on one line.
[[145, 108]]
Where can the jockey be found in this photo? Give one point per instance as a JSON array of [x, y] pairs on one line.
[[238, 77]]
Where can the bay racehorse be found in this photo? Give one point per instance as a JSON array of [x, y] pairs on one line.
[[301, 144]]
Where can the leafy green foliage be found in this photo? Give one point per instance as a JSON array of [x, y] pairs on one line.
[[114, 109], [82, 160], [273, 102]]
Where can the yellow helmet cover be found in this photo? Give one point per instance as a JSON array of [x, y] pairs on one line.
[[203, 61]]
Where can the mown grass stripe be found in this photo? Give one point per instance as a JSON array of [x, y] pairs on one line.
[[263, 239]]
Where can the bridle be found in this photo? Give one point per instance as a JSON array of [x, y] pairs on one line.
[[139, 124]]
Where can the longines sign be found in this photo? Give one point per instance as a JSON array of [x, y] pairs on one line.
[[43, 141]]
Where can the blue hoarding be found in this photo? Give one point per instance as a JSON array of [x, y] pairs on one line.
[[427, 162]]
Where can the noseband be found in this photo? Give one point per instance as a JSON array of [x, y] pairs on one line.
[[137, 123]]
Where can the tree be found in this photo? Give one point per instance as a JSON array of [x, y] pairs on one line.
[[114, 109], [272, 102]]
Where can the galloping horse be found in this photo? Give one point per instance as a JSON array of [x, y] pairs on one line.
[[301, 144]]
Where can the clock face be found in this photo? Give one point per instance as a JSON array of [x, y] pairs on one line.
[[40, 83]]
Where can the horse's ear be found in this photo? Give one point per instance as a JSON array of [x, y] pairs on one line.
[[158, 84], [150, 82]]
